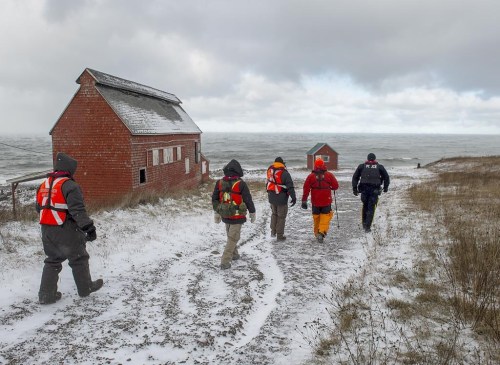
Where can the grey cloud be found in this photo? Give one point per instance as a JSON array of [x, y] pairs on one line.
[[202, 50]]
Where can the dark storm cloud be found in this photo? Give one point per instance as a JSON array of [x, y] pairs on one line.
[[371, 41], [258, 63]]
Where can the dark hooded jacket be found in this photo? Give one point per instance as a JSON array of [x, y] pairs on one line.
[[77, 214], [233, 172], [289, 191]]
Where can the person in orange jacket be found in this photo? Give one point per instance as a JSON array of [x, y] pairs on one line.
[[320, 184]]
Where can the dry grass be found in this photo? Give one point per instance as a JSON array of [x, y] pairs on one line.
[[465, 198], [24, 213], [452, 287]]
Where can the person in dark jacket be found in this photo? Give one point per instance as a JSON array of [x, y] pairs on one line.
[[66, 227], [320, 183], [368, 180], [231, 200], [279, 185]]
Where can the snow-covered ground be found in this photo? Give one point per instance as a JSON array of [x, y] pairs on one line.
[[165, 299]]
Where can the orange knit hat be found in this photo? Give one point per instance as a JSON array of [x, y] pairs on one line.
[[319, 164]]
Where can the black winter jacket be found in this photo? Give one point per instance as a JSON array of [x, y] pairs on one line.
[[361, 187], [282, 197]]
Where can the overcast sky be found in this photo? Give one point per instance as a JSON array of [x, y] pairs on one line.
[[429, 66]]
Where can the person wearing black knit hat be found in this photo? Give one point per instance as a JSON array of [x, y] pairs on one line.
[[368, 180], [279, 186]]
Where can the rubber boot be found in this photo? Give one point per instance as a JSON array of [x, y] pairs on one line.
[[96, 285], [83, 281], [48, 284]]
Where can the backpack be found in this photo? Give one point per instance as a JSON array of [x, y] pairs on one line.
[[231, 204]]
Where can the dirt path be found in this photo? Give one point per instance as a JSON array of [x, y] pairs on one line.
[[184, 309]]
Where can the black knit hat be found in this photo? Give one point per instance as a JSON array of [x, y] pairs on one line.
[[371, 157], [279, 159]]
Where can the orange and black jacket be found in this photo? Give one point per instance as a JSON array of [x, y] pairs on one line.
[[285, 182]]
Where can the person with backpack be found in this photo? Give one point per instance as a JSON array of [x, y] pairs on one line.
[[320, 183], [368, 180], [231, 200], [66, 227], [279, 186]]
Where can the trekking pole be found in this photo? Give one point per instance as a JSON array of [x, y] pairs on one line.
[[336, 210]]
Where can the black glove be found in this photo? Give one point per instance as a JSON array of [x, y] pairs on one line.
[[385, 189], [304, 205], [90, 232], [293, 201], [355, 191]]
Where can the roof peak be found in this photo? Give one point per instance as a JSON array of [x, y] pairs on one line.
[[123, 84]]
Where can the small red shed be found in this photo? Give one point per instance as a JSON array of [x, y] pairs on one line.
[[128, 138], [326, 153]]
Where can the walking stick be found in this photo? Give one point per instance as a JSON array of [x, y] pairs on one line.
[[336, 210]]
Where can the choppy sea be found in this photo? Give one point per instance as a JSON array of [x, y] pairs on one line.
[[23, 154]]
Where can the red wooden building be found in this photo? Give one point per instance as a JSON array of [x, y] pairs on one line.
[[326, 153], [128, 138]]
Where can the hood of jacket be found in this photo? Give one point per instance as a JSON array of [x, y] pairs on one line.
[[65, 163], [233, 168]]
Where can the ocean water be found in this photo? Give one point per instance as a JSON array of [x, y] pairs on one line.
[[258, 151], [23, 154]]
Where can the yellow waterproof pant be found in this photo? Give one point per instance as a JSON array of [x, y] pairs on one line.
[[322, 222]]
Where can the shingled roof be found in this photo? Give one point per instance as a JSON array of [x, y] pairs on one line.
[[143, 109]]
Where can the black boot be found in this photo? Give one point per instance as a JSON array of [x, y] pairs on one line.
[[83, 281], [96, 285], [45, 298], [48, 285]]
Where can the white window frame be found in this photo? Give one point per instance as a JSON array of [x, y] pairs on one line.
[[325, 158], [186, 164]]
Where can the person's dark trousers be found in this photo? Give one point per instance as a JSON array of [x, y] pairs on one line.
[[278, 219], [369, 200], [60, 244]]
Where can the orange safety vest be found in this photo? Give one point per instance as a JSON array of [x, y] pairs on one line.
[[274, 182], [232, 197], [52, 202]]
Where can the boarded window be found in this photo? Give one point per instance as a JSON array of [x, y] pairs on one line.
[[156, 157], [179, 155], [142, 176], [168, 155], [186, 162], [197, 152]]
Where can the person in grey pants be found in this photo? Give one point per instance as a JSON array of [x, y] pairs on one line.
[[66, 227], [279, 186], [231, 200]]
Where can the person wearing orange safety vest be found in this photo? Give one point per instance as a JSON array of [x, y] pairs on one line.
[[279, 186], [231, 200], [66, 227], [320, 184]]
